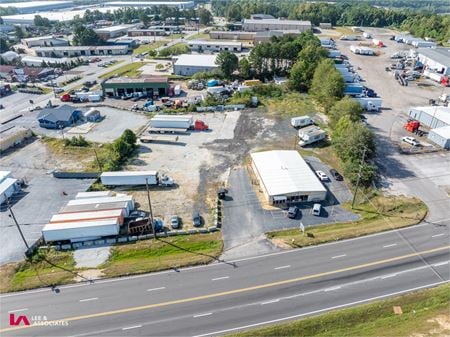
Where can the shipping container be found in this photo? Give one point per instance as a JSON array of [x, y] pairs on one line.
[[99, 194], [127, 198], [78, 231], [96, 207], [89, 216]]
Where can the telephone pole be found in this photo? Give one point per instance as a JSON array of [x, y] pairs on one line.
[[150, 208], [359, 176], [17, 224]]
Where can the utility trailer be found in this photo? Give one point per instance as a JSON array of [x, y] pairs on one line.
[[159, 139]]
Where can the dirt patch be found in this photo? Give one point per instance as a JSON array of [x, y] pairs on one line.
[[280, 243], [89, 274]]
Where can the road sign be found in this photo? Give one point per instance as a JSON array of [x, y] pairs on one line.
[[302, 228]]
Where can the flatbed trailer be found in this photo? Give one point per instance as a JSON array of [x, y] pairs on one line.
[[159, 139], [167, 130]]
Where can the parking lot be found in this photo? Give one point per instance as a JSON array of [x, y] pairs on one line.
[[41, 199]]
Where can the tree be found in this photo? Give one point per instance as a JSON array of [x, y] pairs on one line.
[[345, 107], [145, 19], [4, 46], [244, 68], [129, 137], [19, 32], [205, 17], [228, 62], [327, 85], [39, 21], [83, 36]]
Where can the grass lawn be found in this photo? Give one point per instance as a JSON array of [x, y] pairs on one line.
[[199, 36], [147, 47], [291, 104], [425, 313], [380, 214], [164, 253], [345, 30], [50, 268], [174, 36], [129, 69]]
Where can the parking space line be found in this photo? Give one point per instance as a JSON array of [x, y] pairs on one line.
[[202, 315], [153, 289], [269, 302], [437, 235], [392, 245], [338, 256], [132, 327], [89, 299], [220, 278], [282, 267]]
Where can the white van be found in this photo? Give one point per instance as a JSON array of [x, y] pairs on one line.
[[317, 209]]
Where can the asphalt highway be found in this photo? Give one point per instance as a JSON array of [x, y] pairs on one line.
[[233, 295]]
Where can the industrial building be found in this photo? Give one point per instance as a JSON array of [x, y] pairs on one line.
[[45, 41], [285, 177], [77, 51], [113, 31], [441, 136], [437, 59], [188, 65], [432, 116], [147, 32], [59, 117], [250, 25], [148, 85], [36, 6], [231, 35], [264, 36], [36, 61], [215, 46], [178, 4], [11, 135]]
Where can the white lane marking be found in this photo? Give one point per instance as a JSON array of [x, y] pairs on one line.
[[282, 267], [153, 289], [440, 263], [272, 301], [18, 310], [392, 245], [320, 310], [220, 278], [203, 315], [89, 299], [333, 288], [437, 235], [388, 276], [132, 327], [338, 256]]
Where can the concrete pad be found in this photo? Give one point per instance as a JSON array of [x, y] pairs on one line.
[[91, 257]]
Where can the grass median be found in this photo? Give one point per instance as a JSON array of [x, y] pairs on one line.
[[423, 313], [378, 214], [130, 69]]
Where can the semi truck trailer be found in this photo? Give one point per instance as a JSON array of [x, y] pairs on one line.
[[174, 124], [135, 178]]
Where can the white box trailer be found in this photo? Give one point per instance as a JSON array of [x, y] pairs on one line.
[[298, 122], [4, 175], [96, 207], [89, 216], [126, 198], [122, 178], [172, 122], [433, 76], [370, 103], [94, 194], [79, 231], [8, 187], [177, 90]]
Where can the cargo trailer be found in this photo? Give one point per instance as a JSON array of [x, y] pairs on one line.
[[177, 123], [352, 89], [8, 187], [298, 122], [99, 194], [80, 231], [126, 198], [123, 205], [370, 103], [89, 216], [134, 178]]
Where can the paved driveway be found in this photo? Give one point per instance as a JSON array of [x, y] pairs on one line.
[[245, 222]]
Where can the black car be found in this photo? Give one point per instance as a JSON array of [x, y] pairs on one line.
[[196, 219], [292, 212], [336, 175]]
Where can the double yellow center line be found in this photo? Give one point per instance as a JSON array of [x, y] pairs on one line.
[[237, 291]]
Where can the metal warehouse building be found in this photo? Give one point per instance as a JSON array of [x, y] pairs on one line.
[[113, 31], [440, 136], [178, 4], [77, 51], [436, 59], [12, 135], [188, 65], [36, 6], [431, 116], [148, 85], [199, 45], [250, 25], [284, 176]]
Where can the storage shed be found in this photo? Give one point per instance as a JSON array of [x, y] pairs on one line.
[[285, 177], [441, 136]]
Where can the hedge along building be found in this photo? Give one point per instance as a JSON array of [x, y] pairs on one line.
[[148, 85]]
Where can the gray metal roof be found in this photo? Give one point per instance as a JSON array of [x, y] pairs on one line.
[[61, 113], [440, 55]]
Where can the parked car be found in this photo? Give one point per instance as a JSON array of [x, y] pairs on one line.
[[411, 141], [175, 222], [292, 212], [317, 209], [336, 175], [322, 176], [196, 219], [58, 90]]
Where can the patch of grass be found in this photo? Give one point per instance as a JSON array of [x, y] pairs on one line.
[[148, 47], [345, 30], [176, 49], [164, 253], [379, 214], [174, 36], [46, 268], [203, 36], [422, 312], [290, 104], [130, 69]]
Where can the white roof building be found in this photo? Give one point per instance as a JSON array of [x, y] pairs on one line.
[[275, 24], [36, 6], [284, 176], [431, 116], [179, 4], [441, 136], [188, 65], [214, 45]]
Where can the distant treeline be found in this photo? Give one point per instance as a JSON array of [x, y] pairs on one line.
[[348, 13]]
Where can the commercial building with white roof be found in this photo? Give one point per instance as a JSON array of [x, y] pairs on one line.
[[435, 59], [77, 51], [440, 136], [250, 25], [201, 45], [188, 65], [431, 116], [113, 31], [178, 4], [284, 176], [36, 6]]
